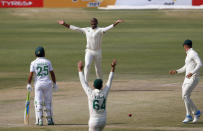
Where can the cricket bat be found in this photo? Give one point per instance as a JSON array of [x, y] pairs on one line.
[[27, 109]]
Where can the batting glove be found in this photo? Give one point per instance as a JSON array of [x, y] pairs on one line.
[[55, 87], [29, 87]]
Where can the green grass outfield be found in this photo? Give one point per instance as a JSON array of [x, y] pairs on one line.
[[146, 46], [149, 43]]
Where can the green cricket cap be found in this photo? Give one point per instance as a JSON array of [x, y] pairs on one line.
[[98, 83], [188, 43], [39, 51]]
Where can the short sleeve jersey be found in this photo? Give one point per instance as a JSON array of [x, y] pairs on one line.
[[41, 68]]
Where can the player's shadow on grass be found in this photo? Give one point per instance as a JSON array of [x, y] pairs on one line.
[[109, 124], [71, 124], [87, 124], [137, 90], [198, 123]]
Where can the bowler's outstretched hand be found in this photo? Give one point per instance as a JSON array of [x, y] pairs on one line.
[[172, 72], [61, 22]]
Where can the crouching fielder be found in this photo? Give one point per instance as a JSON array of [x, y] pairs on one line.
[[97, 98], [191, 67], [41, 68]]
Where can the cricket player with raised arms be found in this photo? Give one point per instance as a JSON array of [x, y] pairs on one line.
[[94, 36], [41, 68], [97, 98], [192, 71]]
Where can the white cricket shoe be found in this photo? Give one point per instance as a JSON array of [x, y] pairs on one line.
[[196, 116], [187, 119]]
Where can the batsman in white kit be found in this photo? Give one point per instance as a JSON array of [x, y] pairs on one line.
[[97, 98], [94, 36], [192, 71], [41, 68]]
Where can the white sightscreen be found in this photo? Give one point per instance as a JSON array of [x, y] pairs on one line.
[[153, 2]]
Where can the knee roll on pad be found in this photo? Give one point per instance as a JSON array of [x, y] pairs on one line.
[[39, 111], [39, 107]]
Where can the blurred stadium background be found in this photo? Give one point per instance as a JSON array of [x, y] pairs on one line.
[[101, 3]]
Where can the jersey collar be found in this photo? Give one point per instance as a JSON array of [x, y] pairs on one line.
[[40, 57], [188, 51]]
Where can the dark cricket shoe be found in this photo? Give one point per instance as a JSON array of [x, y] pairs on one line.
[[50, 121]]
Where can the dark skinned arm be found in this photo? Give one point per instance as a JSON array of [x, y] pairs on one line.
[[30, 77], [117, 22], [113, 65], [53, 76], [61, 22]]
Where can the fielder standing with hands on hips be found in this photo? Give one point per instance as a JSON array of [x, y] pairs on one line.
[[94, 36], [97, 98], [41, 68], [192, 68]]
